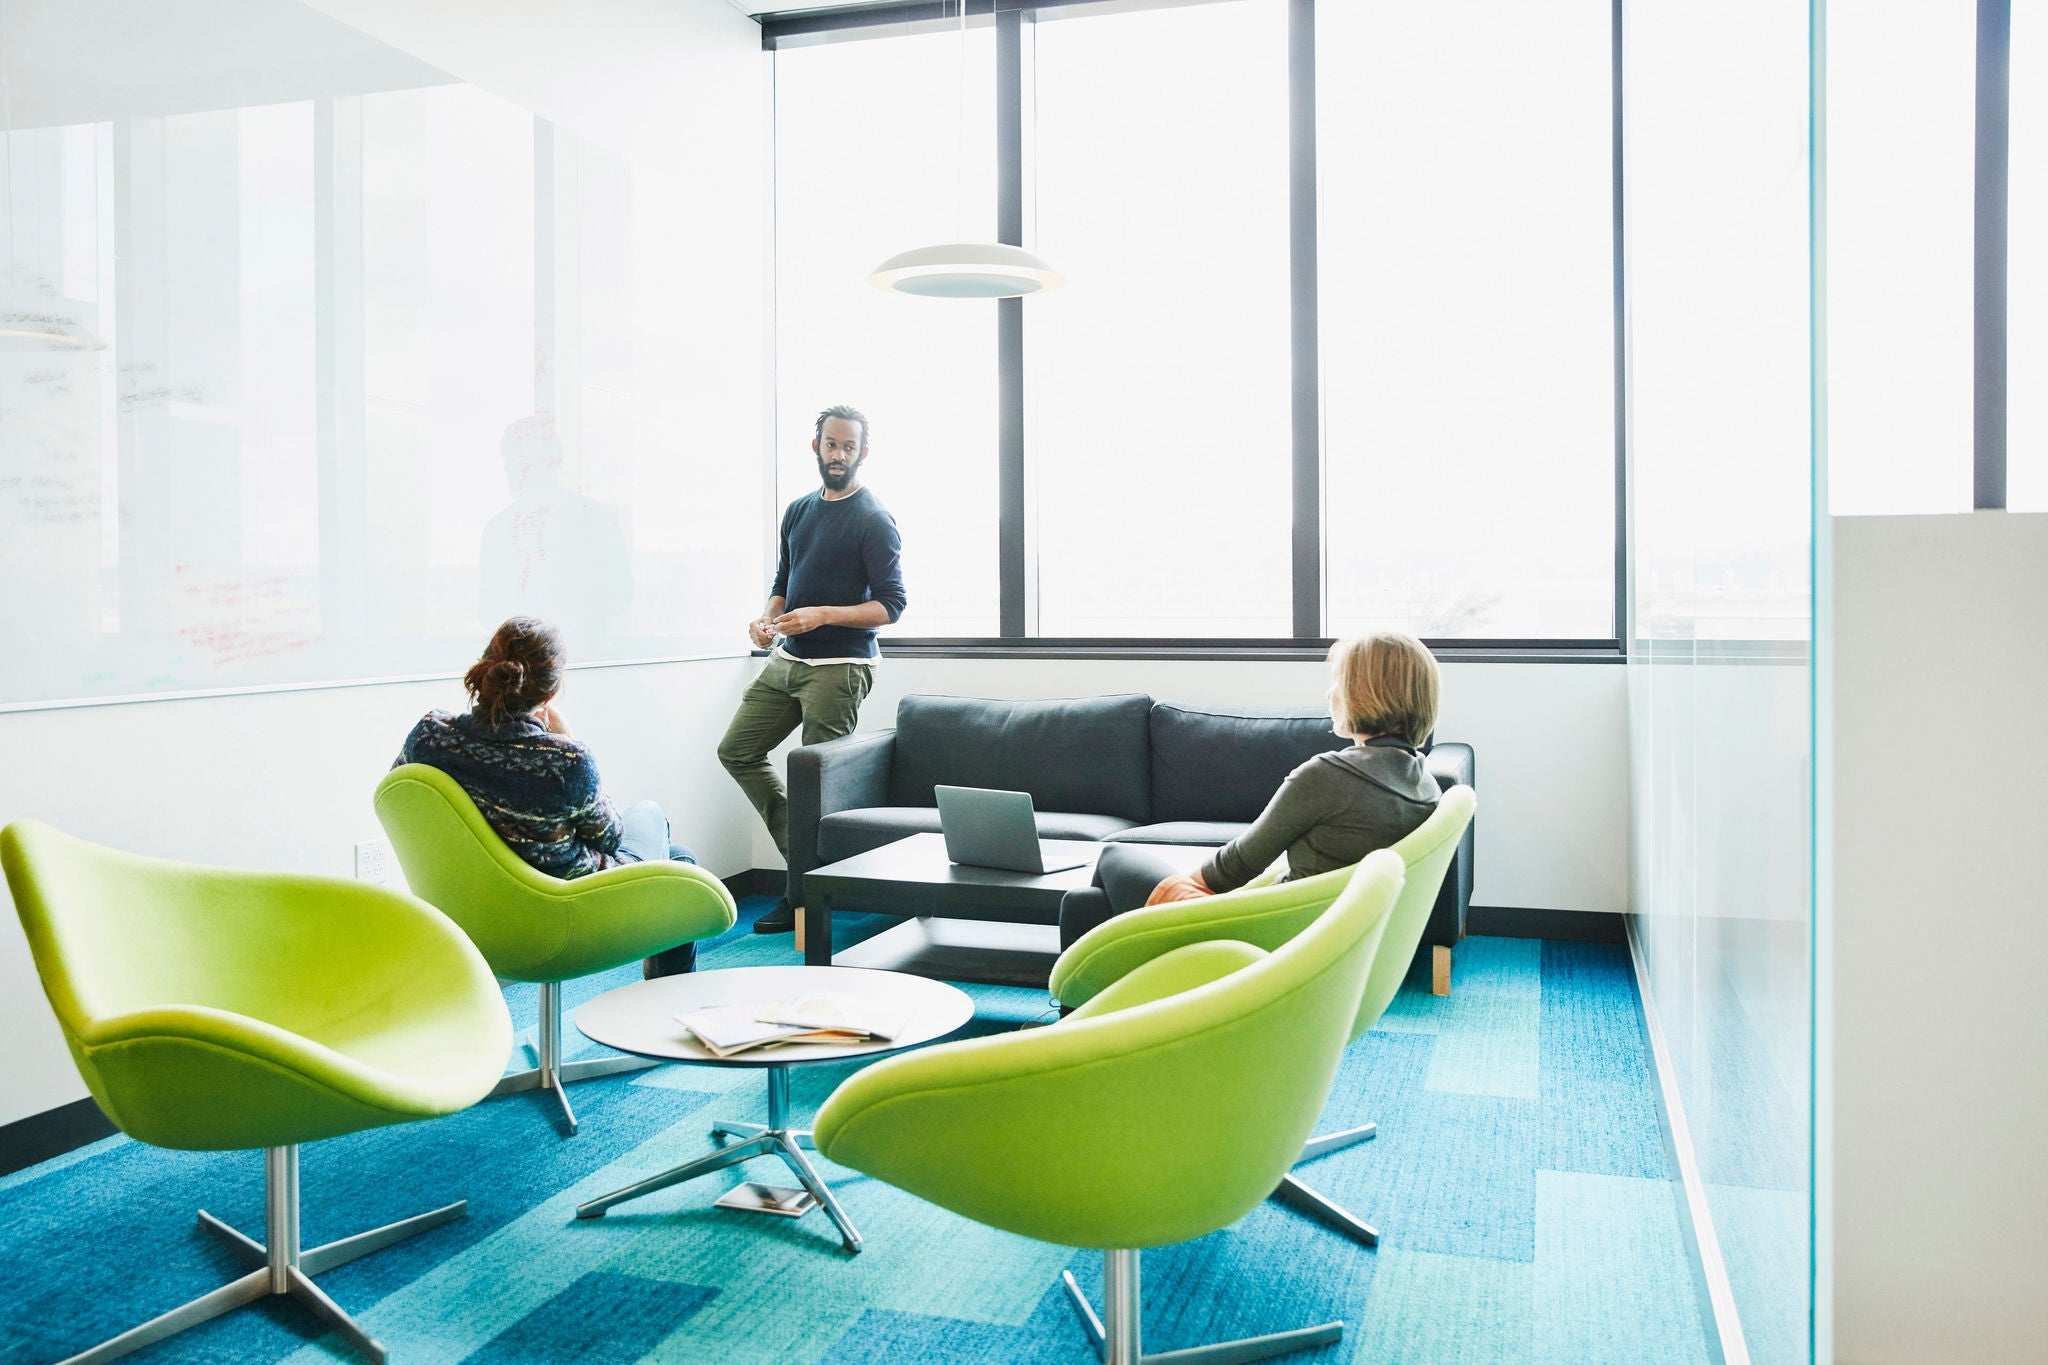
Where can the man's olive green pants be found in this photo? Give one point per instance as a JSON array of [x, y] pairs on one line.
[[824, 698]]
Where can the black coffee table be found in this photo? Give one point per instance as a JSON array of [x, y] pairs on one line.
[[962, 923]]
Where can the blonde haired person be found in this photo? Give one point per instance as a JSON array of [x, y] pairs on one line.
[[1337, 807]]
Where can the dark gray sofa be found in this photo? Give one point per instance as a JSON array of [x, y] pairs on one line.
[[1120, 768]]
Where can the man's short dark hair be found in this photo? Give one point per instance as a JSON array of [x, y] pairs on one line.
[[849, 414]]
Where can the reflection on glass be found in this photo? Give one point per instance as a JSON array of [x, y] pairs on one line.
[[1467, 292], [552, 552], [448, 338], [1900, 188], [1157, 382], [881, 145], [1720, 736], [264, 321]]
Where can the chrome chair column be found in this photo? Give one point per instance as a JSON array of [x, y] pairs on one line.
[[1118, 1341], [774, 1138], [550, 1072], [279, 1266], [1299, 1197]]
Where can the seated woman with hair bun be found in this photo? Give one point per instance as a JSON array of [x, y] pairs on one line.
[[533, 784], [1332, 810]]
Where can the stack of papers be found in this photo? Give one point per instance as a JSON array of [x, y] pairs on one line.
[[814, 1017]]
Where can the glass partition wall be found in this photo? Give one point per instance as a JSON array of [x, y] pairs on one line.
[[1717, 283], [316, 363]]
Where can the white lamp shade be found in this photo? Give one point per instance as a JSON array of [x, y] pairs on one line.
[[966, 270]]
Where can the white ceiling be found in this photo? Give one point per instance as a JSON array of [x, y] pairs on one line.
[[82, 61]]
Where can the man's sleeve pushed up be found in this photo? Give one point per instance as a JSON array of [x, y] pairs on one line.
[[781, 588], [882, 549]]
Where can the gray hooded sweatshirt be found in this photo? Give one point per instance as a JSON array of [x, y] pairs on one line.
[[1331, 812]]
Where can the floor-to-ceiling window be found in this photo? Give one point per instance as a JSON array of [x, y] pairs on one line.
[[1338, 348]]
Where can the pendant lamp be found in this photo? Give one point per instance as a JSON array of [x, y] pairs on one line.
[[966, 270]]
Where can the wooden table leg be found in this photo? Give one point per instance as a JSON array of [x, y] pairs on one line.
[[816, 927]]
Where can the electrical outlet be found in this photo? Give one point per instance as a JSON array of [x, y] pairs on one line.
[[373, 861]]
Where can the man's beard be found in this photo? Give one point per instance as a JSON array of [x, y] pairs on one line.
[[837, 482]]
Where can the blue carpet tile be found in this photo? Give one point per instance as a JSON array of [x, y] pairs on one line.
[[1518, 1180]]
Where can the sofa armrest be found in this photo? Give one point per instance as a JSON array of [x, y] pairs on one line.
[[841, 774]]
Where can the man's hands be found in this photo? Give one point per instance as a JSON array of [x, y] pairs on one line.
[[802, 619], [763, 629]]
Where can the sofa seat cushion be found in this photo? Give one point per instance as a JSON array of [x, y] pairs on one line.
[[1086, 754], [1212, 833], [845, 833]]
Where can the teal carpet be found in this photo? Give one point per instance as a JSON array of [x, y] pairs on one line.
[[1518, 1180]]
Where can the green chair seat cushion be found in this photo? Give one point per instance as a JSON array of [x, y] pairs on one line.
[[531, 926], [1183, 969], [1265, 914]]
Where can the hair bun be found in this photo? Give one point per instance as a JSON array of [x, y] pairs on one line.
[[520, 669]]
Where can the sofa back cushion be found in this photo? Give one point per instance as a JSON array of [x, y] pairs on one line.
[[1085, 755], [1211, 763]]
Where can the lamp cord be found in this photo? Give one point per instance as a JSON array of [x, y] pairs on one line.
[[960, 138]]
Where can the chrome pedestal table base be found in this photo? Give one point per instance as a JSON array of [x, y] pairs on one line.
[[773, 1138]]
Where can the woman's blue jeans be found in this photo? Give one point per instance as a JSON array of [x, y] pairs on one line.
[[646, 839]]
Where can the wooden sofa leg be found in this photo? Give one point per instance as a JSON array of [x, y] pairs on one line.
[[799, 945], [1440, 970]]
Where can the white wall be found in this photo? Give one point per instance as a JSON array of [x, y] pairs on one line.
[[1551, 742], [282, 780], [1939, 929]]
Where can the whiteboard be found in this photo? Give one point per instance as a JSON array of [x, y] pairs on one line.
[[315, 364]]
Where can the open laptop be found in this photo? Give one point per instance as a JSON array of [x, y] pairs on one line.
[[986, 828]]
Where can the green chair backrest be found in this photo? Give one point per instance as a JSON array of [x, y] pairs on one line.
[[530, 926], [211, 1008], [1136, 1126], [1426, 852], [1270, 915]]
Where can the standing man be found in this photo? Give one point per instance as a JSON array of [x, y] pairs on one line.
[[838, 578]]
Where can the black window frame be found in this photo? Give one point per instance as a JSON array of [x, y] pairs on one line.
[[1309, 608]]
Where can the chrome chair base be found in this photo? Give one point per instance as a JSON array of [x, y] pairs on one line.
[[1118, 1341], [773, 1138], [1302, 1199], [550, 1072], [280, 1268]]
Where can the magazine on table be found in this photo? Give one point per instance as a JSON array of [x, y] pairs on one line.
[[840, 1013], [813, 1017], [728, 1029]]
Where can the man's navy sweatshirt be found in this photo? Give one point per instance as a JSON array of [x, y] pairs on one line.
[[838, 554]]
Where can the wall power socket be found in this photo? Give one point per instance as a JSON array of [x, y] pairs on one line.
[[373, 861]]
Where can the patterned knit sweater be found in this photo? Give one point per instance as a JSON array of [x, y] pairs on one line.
[[537, 789]]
